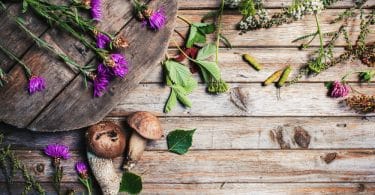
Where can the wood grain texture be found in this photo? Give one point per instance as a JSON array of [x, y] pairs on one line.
[[227, 133], [54, 117], [282, 35], [229, 166], [203, 4], [303, 99], [235, 70]]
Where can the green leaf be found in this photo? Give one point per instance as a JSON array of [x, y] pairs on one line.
[[181, 94], [131, 183], [25, 5], [328, 85], [180, 74], [197, 33], [205, 28], [206, 52], [211, 67], [171, 102], [179, 141]]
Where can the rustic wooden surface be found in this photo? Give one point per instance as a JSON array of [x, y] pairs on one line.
[[72, 105], [247, 140]]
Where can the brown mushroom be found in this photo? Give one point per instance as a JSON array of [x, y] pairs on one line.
[[105, 141], [146, 127]]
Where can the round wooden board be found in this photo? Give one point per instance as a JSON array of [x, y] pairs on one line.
[[66, 104]]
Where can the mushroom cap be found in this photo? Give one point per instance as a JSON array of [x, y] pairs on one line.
[[106, 140], [146, 124]]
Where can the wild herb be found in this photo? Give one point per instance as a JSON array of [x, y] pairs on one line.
[[131, 183], [10, 165], [179, 141]]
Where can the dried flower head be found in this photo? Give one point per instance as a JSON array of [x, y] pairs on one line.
[[36, 83], [82, 169], [339, 89], [368, 57], [361, 103], [57, 151], [120, 42], [96, 9], [102, 40]]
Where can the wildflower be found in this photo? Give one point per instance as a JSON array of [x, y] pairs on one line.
[[57, 151], [102, 41], [339, 89], [118, 65], [96, 10], [155, 19], [36, 83], [82, 169], [100, 80]]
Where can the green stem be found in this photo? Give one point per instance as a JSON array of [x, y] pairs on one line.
[[218, 31], [184, 19], [13, 57], [320, 33]]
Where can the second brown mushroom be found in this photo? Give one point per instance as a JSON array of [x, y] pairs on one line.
[[146, 127]]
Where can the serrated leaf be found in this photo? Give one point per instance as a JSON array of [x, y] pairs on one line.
[[131, 183], [171, 102], [179, 141], [206, 52], [211, 67], [181, 94], [179, 74]]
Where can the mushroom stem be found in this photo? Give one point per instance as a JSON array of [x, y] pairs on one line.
[[105, 174], [137, 145]]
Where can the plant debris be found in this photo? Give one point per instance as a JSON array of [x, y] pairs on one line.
[[301, 137], [330, 157]]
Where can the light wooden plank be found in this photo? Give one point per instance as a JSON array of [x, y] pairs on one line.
[[199, 4], [260, 189], [307, 99], [277, 36], [228, 133], [230, 166], [235, 69]]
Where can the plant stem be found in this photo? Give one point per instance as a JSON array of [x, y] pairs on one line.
[[13, 57], [320, 33], [184, 19], [218, 31]]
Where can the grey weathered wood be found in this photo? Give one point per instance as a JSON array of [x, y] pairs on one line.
[[142, 58], [228, 166], [301, 99], [227, 133]]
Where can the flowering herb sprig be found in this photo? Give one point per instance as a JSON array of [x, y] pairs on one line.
[[57, 153], [154, 19], [84, 178]]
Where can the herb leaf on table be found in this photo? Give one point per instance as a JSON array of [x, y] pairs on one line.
[[179, 141], [131, 183], [198, 32]]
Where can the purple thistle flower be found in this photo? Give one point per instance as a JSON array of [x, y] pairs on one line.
[[102, 41], [57, 151], [120, 67], [339, 89], [96, 9], [82, 169], [36, 84], [101, 81], [157, 19]]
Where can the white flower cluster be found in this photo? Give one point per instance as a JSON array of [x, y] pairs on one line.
[[232, 3], [252, 22], [306, 7]]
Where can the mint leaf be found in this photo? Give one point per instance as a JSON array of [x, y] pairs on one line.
[[179, 141], [206, 52], [131, 183]]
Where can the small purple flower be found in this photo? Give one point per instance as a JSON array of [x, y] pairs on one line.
[[57, 151], [119, 65], [96, 9], [82, 169], [102, 41], [36, 84], [101, 81], [339, 89], [157, 19]]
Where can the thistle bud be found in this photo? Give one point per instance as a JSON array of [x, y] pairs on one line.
[[120, 42]]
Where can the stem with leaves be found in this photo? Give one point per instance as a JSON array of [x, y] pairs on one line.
[[15, 58]]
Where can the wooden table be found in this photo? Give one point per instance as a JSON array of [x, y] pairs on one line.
[[246, 139]]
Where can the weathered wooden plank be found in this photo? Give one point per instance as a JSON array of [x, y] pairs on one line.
[[307, 99], [199, 4], [229, 133], [54, 117], [17, 188], [229, 166], [259, 188], [235, 69], [14, 38], [277, 36], [227, 188], [56, 73]]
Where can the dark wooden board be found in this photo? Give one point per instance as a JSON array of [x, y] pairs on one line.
[[66, 104]]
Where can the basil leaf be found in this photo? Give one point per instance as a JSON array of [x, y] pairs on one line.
[[131, 183], [179, 141]]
